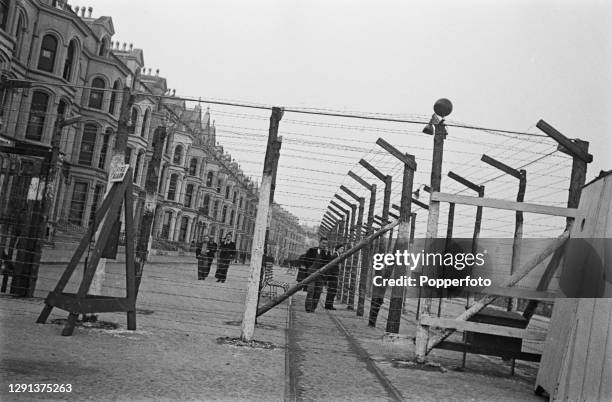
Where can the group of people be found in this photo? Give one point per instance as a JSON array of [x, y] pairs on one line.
[[205, 253], [314, 259]]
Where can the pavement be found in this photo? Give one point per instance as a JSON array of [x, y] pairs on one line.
[[177, 352]]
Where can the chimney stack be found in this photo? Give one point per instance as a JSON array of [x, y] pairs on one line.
[[149, 72], [124, 45], [131, 46], [89, 11], [83, 12], [76, 10], [157, 72]]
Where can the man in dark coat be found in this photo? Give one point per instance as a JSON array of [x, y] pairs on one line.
[[205, 252], [331, 279], [314, 259], [227, 252], [211, 250]]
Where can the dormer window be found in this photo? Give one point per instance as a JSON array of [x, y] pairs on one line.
[[96, 94], [103, 47], [48, 49]]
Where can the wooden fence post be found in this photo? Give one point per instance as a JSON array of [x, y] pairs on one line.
[[422, 333], [357, 238], [365, 259], [261, 222]]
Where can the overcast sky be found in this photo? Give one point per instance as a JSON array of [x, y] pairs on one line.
[[504, 65]]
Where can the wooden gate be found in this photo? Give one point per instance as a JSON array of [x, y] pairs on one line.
[[24, 173]]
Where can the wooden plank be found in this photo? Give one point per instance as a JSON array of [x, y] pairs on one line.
[[467, 183], [360, 180], [501, 166], [490, 329], [579, 364], [598, 373], [406, 160], [566, 142], [488, 351], [518, 293], [503, 204]]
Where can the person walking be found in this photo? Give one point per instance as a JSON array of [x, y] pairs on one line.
[[227, 251], [331, 279], [314, 259], [201, 259], [205, 252]]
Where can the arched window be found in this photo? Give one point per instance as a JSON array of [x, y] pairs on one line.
[[113, 98], [69, 63], [48, 49], [183, 229], [172, 187], [227, 192], [19, 35], [224, 213], [232, 214], [36, 120], [104, 150], [145, 121], [188, 195], [234, 197], [178, 155], [193, 166], [103, 47], [206, 205], [96, 95], [88, 144], [133, 121], [209, 178]]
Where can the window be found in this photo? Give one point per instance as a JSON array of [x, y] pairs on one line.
[[94, 204], [68, 64], [227, 192], [77, 206], [145, 121], [133, 121], [96, 95], [113, 98], [36, 121], [188, 195], [232, 214], [183, 230], [240, 202], [215, 210], [178, 155], [137, 167], [193, 166], [244, 221], [209, 179], [103, 47], [234, 197], [206, 205], [104, 149], [219, 185], [172, 187], [166, 225], [224, 213], [128, 156], [48, 49], [4, 9], [88, 143]]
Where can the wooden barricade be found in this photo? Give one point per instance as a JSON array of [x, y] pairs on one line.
[[80, 302]]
